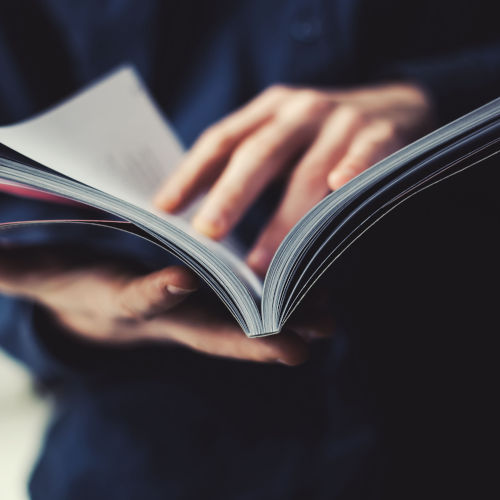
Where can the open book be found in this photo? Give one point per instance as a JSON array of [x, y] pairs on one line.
[[110, 148]]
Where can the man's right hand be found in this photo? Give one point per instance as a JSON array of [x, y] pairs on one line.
[[105, 302]]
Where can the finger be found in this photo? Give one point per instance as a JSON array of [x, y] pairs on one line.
[[226, 340], [286, 348], [155, 293], [307, 185], [206, 158], [373, 143], [203, 325], [256, 162]]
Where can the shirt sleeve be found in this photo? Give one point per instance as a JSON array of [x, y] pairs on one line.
[[24, 333], [16, 334], [457, 83], [54, 357], [27, 330]]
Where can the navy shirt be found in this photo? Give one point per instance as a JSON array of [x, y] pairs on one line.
[[154, 422]]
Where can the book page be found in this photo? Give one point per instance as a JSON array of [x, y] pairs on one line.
[[112, 137]]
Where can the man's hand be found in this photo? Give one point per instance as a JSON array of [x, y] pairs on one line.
[[105, 302], [322, 139]]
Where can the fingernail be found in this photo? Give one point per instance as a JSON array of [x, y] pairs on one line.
[[176, 290], [260, 258]]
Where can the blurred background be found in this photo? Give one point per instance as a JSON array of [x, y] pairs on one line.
[[24, 415]]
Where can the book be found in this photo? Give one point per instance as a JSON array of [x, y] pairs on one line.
[[110, 147]]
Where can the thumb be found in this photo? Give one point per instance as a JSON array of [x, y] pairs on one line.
[[155, 293]]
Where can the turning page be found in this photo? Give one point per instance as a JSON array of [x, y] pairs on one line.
[[111, 137]]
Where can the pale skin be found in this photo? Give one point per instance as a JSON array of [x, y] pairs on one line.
[[107, 303], [317, 139]]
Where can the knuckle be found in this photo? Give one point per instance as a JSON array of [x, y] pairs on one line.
[[127, 313], [352, 114], [308, 96], [309, 103], [241, 156], [254, 149], [216, 140], [277, 90], [208, 134], [304, 105]]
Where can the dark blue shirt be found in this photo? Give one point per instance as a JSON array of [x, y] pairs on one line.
[[154, 422]]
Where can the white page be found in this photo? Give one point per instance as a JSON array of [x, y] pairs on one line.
[[112, 137]]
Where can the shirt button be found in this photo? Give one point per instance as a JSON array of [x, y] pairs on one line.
[[306, 30]]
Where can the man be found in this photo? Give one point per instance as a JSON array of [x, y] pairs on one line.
[[357, 80]]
